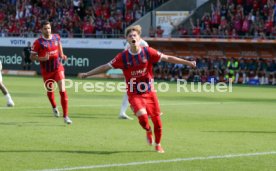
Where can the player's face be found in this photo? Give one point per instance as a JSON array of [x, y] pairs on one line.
[[46, 30], [133, 38]]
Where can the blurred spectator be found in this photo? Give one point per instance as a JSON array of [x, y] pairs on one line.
[[159, 31], [152, 32], [219, 69], [232, 67], [195, 28], [88, 29], [182, 32], [26, 53], [99, 24]]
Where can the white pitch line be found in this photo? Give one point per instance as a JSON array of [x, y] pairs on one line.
[[162, 161], [76, 106]]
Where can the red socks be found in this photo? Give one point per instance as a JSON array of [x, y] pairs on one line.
[[51, 97], [64, 103], [144, 122], [157, 128]]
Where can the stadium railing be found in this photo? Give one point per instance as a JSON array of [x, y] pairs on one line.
[[104, 36]]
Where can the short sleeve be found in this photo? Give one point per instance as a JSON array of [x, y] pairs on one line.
[[117, 62], [35, 47], [57, 38], [155, 56]]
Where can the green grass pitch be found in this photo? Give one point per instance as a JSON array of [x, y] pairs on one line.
[[195, 127]]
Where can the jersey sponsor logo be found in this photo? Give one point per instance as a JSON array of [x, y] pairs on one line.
[[53, 52], [139, 72]]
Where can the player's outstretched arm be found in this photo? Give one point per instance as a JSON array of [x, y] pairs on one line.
[[175, 60], [98, 70]]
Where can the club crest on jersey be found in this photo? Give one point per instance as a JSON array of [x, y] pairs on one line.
[[45, 44]]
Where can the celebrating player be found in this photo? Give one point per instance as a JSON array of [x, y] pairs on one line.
[[137, 65], [48, 50], [122, 114], [4, 90]]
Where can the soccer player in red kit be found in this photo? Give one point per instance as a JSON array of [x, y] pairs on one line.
[[137, 65], [48, 50]]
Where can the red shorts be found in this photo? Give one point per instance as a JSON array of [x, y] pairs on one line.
[[53, 76], [148, 101]]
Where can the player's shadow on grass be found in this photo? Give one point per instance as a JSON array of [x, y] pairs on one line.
[[94, 116], [17, 123], [82, 117], [73, 151], [20, 124], [250, 132], [79, 115]]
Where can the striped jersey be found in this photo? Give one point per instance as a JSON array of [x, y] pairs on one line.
[[43, 46], [137, 69]]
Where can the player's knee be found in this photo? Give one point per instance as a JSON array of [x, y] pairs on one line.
[[141, 112]]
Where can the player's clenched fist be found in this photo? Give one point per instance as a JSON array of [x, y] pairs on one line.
[[193, 64]]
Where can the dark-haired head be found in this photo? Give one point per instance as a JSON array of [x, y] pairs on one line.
[[43, 23]]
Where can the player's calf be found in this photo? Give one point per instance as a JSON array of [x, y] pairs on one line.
[[149, 137]]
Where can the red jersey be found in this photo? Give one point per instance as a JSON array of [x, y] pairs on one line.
[[137, 69], [43, 46]]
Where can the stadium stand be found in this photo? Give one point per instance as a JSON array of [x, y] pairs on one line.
[[220, 69], [77, 18], [233, 19]]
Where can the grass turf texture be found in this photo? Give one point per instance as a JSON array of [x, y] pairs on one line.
[[194, 125]]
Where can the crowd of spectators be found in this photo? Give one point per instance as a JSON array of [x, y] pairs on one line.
[[247, 18], [95, 18], [72, 18], [221, 69]]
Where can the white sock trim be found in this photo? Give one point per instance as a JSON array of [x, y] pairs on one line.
[[8, 97]]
